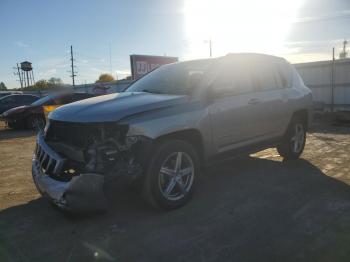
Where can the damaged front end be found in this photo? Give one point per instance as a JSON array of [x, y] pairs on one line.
[[74, 161]]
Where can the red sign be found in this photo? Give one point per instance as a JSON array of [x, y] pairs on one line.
[[142, 64]]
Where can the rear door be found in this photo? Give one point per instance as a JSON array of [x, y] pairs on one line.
[[272, 85]]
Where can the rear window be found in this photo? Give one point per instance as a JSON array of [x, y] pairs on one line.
[[45, 101], [70, 98], [81, 96], [285, 73], [29, 99]]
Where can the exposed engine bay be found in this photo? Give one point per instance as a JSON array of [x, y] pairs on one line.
[[95, 148]]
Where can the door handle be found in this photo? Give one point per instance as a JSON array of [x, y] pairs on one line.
[[254, 101]]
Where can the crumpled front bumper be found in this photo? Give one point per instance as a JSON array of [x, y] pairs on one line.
[[82, 193]]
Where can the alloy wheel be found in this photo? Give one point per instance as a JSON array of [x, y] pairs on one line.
[[176, 176], [298, 138]]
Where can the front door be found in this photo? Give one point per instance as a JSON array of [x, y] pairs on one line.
[[234, 107]]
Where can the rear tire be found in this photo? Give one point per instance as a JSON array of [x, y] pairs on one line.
[[170, 176], [36, 122], [293, 142]]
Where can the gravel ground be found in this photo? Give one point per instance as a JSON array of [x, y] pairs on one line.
[[255, 208]]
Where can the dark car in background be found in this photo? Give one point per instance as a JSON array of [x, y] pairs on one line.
[[11, 101], [33, 115], [7, 93]]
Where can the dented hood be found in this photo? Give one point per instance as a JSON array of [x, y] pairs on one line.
[[109, 108]]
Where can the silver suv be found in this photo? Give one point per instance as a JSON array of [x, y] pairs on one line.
[[166, 125]]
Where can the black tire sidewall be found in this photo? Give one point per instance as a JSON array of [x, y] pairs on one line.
[[30, 122], [32, 118], [285, 149], [162, 151]]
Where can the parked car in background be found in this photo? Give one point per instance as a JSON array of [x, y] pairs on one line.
[[7, 93], [11, 101], [33, 115], [167, 124]]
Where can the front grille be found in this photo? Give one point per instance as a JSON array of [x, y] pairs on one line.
[[76, 134], [50, 162], [83, 135]]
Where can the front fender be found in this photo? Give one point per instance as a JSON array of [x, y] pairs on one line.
[[163, 122]]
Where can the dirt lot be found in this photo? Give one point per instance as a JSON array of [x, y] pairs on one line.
[[254, 208]]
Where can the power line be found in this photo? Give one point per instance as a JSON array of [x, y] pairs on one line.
[[101, 60]]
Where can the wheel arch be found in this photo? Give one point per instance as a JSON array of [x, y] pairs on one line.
[[192, 136], [302, 114]]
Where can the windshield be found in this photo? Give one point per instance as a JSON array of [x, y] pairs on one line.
[[174, 79], [3, 98], [42, 101]]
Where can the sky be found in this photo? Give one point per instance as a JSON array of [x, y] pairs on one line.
[[41, 31]]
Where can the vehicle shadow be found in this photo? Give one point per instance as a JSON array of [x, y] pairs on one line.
[[8, 133], [246, 209]]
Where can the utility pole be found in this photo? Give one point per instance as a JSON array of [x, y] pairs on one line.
[[210, 46], [343, 54], [18, 73], [332, 82], [344, 46], [72, 65]]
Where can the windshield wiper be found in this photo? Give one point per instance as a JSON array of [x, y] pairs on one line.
[[151, 91]]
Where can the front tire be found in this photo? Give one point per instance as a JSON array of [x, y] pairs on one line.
[[169, 180], [293, 142], [14, 126]]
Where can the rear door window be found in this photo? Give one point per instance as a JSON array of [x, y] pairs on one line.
[[265, 76], [270, 75]]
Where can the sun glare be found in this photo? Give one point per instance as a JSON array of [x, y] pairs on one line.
[[239, 26]]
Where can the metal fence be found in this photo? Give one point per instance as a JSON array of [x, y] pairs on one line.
[[330, 83]]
